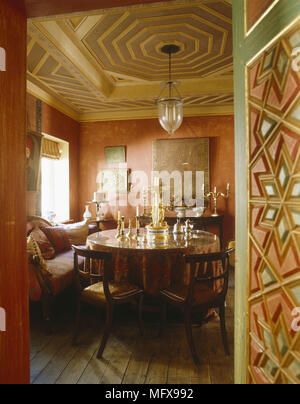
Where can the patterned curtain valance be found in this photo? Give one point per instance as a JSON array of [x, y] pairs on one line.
[[50, 149]]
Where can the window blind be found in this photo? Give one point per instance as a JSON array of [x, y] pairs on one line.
[[50, 149]]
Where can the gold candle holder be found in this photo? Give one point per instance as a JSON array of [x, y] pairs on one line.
[[130, 234], [119, 229], [137, 235], [122, 237], [215, 195]]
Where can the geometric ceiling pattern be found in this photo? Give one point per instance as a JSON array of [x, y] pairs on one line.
[[108, 63], [274, 214]]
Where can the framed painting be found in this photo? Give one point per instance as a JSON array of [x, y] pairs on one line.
[[115, 155], [182, 156], [114, 180], [33, 160]]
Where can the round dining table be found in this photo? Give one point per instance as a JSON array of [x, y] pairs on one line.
[[153, 267]]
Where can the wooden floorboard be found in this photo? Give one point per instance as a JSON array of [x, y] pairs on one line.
[[130, 358]]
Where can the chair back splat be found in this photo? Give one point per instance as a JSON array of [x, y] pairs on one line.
[[206, 289], [96, 286]]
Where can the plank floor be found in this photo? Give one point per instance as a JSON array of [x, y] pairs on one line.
[[128, 357]]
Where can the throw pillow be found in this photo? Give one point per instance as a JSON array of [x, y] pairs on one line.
[[77, 232], [34, 250], [58, 238], [47, 250]]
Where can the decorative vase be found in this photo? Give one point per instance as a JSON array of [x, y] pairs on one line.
[[87, 214]]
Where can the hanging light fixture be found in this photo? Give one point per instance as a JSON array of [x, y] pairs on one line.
[[170, 108]]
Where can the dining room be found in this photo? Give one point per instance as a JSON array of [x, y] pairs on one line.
[[150, 192], [159, 175]]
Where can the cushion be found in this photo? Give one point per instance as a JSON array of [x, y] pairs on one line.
[[95, 293], [58, 238], [35, 223], [202, 294], [62, 271], [33, 249], [46, 247], [77, 232], [61, 275]]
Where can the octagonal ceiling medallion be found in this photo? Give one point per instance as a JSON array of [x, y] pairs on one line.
[[108, 64]]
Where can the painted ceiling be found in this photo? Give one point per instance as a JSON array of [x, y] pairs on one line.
[[107, 64]]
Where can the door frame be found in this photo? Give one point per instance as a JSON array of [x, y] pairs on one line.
[[247, 47]]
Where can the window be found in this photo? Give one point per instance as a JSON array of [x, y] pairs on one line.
[[55, 183]]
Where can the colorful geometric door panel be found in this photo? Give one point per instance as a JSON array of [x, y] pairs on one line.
[[274, 213]]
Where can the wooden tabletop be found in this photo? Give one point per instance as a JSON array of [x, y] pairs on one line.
[[199, 240]]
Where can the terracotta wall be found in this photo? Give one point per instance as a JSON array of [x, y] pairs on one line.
[[255, 9], [138, 135], [56, 124], [14, 343]]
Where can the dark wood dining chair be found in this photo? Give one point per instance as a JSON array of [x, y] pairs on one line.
[[96, 286], [231, 244], [200, 294]]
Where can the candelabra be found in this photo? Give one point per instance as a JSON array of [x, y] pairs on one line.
[[215, 195]]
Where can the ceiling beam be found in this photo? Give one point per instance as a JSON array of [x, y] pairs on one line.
[[187, 88], [54, 34], [189, 111], [43, 8], [54, 102]]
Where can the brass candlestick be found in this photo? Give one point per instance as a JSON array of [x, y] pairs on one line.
[[215, 195], [130, 234], [122, 237], [137, 235], [119, 229]]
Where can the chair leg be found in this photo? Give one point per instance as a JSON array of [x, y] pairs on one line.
[[77, 322], [223, 329], [107, 329], [189, 335], [140, 314], [163, 318]]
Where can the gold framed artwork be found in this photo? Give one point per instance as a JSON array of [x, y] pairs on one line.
[[33, 160], [184, 155], [115, 154]]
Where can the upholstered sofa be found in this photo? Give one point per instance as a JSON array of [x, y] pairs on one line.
[[52, 273]]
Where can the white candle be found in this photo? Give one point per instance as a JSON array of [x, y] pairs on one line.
[[215, 190], [228, 186], [137, 211]]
